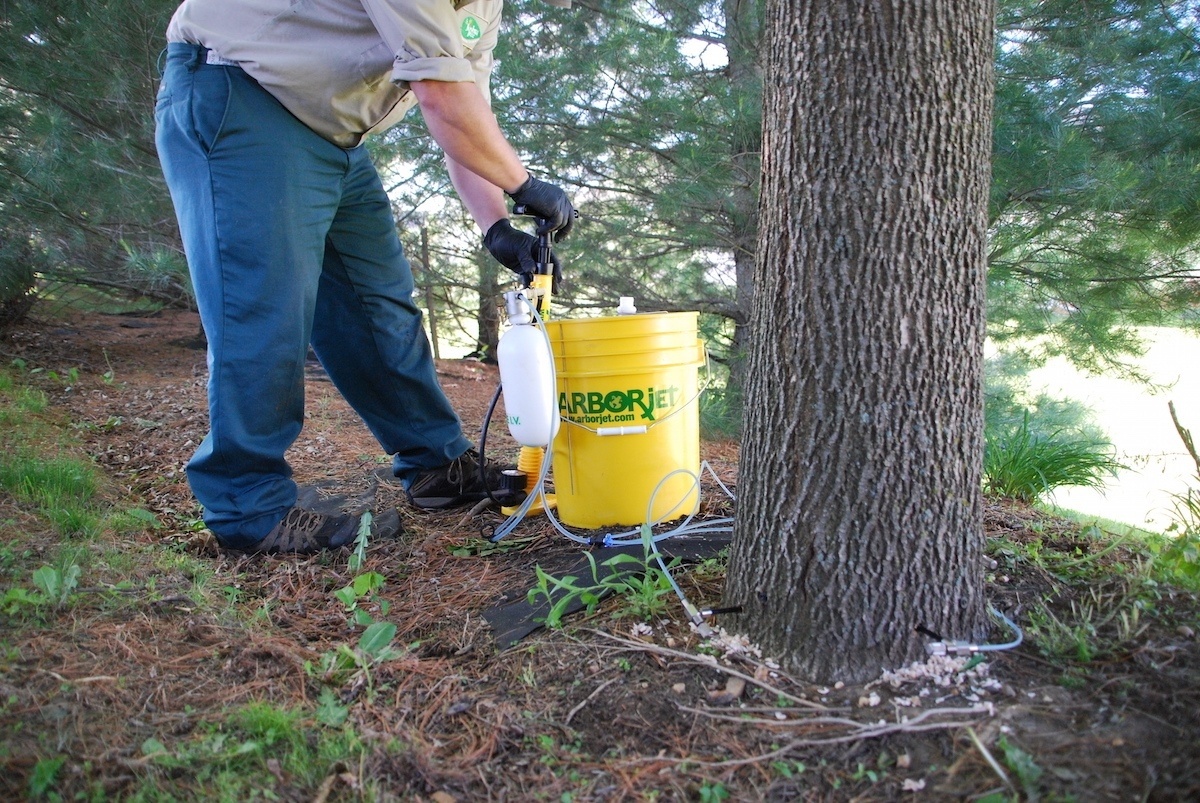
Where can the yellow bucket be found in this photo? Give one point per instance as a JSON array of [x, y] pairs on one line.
[[627, 394]]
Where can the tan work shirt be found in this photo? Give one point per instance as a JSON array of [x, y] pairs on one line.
[[343, 67]]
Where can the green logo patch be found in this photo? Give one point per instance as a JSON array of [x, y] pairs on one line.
[[471, 29]]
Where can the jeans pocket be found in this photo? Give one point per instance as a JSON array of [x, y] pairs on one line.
[[209, 105], [163, 99]]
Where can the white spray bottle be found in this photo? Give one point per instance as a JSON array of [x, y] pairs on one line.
[[527, 375]]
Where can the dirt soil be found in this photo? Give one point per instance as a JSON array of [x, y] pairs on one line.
[[607, 709]]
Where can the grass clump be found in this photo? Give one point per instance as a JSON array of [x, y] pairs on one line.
[[62, 489], [41, 472], [1023, 464], [258, 746]]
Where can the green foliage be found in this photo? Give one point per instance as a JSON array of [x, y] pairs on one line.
[[483, 547], [345, 663], [375, 643], [45, 773], [1110, 591], [51, 587], [133, 520], [361, 586], [20, 401], [57, 584], [362, 589], [364, 586], [17, 599], [1023, 766], [18, 276], [721, 410], [63, 488], [361, 539], [83, 195], [643, 586], [1021, 463], [713, 792], [34, 470], [1179, 559], [1096, 171], [235, 759], [330, 711]]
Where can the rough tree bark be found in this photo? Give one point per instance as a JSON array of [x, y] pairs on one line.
[[859, 504]]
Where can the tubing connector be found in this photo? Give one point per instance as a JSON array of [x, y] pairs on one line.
[[936, 648], [945, 647]]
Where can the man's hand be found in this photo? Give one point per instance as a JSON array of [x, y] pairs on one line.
[[548, 203], [516, 250]]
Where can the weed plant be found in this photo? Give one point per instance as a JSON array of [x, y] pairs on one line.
[[643, 587]]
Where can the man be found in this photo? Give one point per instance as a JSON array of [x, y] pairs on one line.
[[261, 115]]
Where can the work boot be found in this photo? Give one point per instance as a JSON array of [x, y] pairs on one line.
[[304, 531], [455, 484]]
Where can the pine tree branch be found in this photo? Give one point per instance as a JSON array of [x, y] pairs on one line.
[[80, 116]]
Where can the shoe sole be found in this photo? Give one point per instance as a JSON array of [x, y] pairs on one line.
[[445, 502]]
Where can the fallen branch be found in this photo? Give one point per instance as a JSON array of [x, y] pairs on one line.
[[711, 662], [859, 732], [794, 718]]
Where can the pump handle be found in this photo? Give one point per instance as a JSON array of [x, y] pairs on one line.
[[545, 250]]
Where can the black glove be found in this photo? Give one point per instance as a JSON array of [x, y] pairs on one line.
[[517, 250], [548, 203]]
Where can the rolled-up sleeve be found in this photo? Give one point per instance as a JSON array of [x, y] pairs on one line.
[[424, 36], [482, 56]]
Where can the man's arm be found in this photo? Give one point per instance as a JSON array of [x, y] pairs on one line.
[[483, 199], [462, 123]]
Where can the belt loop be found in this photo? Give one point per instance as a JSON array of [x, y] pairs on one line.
[[161, 64], [196, 58]]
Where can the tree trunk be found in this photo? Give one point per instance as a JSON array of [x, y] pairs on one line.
[[489, 306], [859, 505], [430, 303], [743, 34]]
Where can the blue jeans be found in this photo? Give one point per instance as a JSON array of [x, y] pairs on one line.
[[290, 240]]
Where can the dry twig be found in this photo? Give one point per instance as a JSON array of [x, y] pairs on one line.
[[571, 714]]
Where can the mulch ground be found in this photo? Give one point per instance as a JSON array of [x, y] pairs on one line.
[[607, 709]]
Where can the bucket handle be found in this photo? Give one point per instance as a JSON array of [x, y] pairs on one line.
[[644, 428]]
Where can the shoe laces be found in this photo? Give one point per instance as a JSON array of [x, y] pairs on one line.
[[461, 468], [297, 530], [455, 473]]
